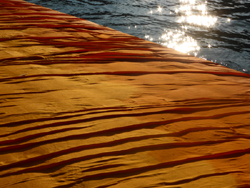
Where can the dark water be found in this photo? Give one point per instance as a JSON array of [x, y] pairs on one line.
[[217, 30]]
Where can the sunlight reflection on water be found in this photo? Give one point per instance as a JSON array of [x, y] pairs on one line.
[[190, 13]]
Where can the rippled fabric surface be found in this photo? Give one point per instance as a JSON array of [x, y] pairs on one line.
[[86, 106], [227, 43]]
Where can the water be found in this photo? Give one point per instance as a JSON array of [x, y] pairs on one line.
[[216, 30]]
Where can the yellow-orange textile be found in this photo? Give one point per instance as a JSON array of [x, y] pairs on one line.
[[83, 105]]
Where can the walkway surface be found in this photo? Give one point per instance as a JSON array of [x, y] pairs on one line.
[[82, 105]]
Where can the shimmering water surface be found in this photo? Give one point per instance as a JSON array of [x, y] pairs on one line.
[[217, 30]]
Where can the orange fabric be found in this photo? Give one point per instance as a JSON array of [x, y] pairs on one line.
[[83, 105]]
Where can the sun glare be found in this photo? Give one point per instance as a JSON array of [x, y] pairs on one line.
[[189, 13], [159, 9], [179, 41]]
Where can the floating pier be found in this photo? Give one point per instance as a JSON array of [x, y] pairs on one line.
[[86, 106]]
